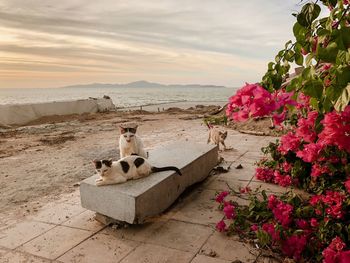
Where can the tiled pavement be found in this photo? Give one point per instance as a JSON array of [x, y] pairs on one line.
[[63, 231]]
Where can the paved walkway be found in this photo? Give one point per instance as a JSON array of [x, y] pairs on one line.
[[63, 231]]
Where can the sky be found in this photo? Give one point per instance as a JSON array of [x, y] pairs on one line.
[[46, 44]]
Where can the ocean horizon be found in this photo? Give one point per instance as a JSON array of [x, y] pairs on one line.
[[123, 97]]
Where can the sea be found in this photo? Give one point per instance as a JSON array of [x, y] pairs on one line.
[[123, 97]]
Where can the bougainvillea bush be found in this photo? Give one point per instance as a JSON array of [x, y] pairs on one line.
[[314, 152]]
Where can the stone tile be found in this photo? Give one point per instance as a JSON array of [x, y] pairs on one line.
[[205, 259], [155, 254], [86, 221], [3, 251], [19, 234], [246, 173], [20, 257], [71, 198], [181, 235], [227, 248], [137, 232], [199, 207], [57, 213], [220, 184], [55, 242], [100, 248]]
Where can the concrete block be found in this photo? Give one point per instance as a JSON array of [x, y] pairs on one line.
[[136, 200]]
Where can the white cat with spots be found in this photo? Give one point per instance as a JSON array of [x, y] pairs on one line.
[[127, 168], [130, 143]]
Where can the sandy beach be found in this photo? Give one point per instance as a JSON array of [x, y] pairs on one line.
[[51, 155]]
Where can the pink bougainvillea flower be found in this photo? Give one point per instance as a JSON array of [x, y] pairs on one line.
[[333, 253], [332, 201], [310, 153], [264, 174], [306, 127], [282, 180], [229, 211], [287, 167], [314, 222], [281, 211], [289, 142], [221, 196], [278, 119], [347, 185], [246, 189], [302, 224], [318, 169], [283, 99], [336, 129], [337, 244], [293, 246], [254, 227], [271, 230], [272, 202], [221, 226], [344, 257]]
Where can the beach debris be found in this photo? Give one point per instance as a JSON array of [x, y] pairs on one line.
[[239, 166]]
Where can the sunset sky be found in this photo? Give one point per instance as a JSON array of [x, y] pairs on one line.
[[58, 43]]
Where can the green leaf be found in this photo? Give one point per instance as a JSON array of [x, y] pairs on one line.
[[308, 59], [343, 57], [313, 88], [345, 35], [343, 99], [308, 14], [342, 77], [294, 84], [314, 103], [300, 32], [299, 59], [328, 54]]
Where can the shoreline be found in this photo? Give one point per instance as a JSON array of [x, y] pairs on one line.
[[158, 107]]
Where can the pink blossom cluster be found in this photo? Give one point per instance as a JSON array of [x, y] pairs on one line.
[[331, 203], [253, 101], [275, 176], [282, 212], [294, 245], [228, 209], [336, 129], [335, 253]]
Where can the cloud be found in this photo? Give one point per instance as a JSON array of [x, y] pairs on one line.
[[156, 40]]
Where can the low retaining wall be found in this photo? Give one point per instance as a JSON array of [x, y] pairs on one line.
[[23, 113]]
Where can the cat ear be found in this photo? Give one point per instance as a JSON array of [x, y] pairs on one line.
[[225, 133], [110, 162], [122, 130]]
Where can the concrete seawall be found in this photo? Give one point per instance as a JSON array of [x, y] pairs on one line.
[[18, 114]]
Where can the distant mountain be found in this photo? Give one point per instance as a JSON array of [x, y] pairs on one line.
[[141, 84]]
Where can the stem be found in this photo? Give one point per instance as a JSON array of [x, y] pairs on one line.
[[343, 15]]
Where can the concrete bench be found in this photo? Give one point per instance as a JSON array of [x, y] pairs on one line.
[[135, 200]]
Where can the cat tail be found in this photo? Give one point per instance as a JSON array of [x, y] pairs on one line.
[[166, 168]]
